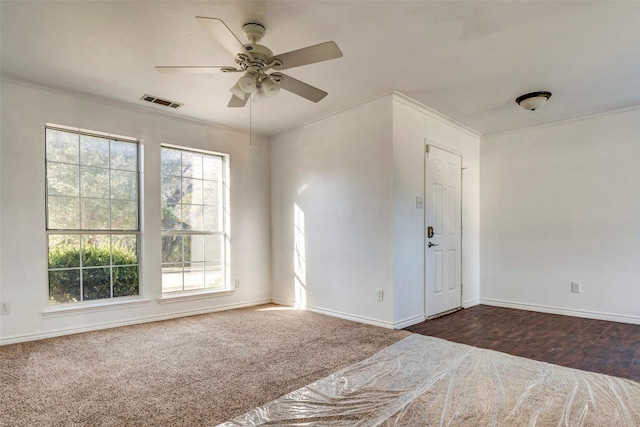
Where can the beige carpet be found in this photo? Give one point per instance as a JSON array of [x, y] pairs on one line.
[[200, 370]]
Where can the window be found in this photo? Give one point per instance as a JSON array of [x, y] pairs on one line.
[[194, 238], [92, 216]]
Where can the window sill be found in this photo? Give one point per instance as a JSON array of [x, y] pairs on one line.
[[187, 296], [80, 308]]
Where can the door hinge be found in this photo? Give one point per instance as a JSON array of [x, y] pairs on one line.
[[426, 149]]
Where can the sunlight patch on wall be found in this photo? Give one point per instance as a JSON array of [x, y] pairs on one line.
[[299, 257]]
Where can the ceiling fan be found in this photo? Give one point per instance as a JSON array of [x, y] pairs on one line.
[[257, 61]]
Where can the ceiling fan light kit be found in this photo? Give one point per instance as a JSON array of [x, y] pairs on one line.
[[247, 83], [263, 86], [270, 87], [259, 95], [534, 100], [237, 91], [256, 61]]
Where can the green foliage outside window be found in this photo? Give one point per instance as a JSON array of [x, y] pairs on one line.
[[101, 266]]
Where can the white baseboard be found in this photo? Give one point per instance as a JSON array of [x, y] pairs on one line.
[[359, 319], [283, 302], [14, 339], [355, 318], [472, 303], [564, 311], [421, 318], [401, 324]]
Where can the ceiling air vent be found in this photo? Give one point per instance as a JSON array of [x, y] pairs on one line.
[[156, 100]]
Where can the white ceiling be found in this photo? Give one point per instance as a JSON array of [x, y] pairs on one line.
[[467, 60]]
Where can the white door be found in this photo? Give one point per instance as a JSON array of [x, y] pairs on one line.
[[443, 238]]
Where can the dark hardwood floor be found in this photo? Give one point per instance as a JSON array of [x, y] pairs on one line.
[[593, 345]]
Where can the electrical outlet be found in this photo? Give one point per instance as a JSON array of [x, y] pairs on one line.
[[237, 283], [5, 307], [419, 202], [576, 287], [380, 295]]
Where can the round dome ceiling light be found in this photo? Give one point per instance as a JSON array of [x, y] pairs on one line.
[[534, 100]]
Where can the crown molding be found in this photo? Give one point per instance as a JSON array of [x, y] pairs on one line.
[[412, 103]]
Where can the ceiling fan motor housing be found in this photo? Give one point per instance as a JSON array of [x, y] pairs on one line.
[[258, 51]]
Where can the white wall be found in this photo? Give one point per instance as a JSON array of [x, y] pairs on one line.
[[356, 175], [339, 172], [561, 203], [412, 123], [23, 250]]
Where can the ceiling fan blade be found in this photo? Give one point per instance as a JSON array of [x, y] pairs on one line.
[[222, 34], [300, 88], [236, 102], [309, 55], [194, 69]]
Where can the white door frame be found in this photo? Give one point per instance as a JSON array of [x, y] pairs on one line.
[[427, 143]]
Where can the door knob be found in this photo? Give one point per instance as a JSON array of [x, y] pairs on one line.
[[432, 244]]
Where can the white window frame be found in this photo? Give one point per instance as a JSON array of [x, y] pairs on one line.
[[225, 289], [78, 305]]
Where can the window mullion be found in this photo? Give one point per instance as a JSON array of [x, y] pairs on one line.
[[89, 231]]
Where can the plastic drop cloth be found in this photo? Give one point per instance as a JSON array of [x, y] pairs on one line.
[[429, 381]]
